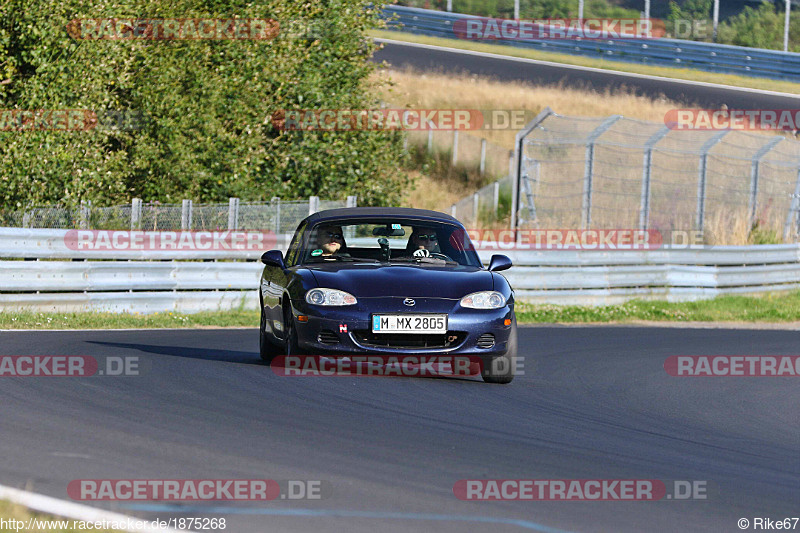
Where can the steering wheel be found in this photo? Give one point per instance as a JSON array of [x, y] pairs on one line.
[[422, 252]]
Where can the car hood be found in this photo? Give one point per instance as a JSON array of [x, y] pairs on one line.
[[365, 281]]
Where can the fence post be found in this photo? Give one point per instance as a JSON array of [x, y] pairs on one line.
[[430, 141], [276, 202], [588, 171], [701, 177], [793, 210], [529, 190], [136, 213], [476, 204], [186, 215], [483, 157], [455, 147], [26, 219], [350, 231], [85, 214], [755, 171], [453, 211], [495, 198], [233, 213], [516, 164], [313, 204], [647, 173]]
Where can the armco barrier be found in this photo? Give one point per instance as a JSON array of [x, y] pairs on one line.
[[52, 244], [710, 57], [44, 276], [130, 302], [542, 276]]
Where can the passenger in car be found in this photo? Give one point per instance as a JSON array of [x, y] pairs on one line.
[[330, 240], [423, 239]]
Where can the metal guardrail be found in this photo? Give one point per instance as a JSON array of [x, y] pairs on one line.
[[710, 57], [49, 276], [187, 302], [540, 276], [764, 254], [52, 244]]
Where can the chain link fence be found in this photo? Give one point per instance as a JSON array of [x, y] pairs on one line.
[[465, 150], [280, 216], [488, 207], [615, 172]]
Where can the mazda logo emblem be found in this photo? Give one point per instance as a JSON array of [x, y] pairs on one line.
[[409, 301]]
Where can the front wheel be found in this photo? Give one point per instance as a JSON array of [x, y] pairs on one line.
[[501, 368], [291, 333], [267, 350]]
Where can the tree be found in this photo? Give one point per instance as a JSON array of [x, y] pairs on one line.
[[206, 105]]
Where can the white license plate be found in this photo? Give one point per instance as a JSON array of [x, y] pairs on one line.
[[409, 323]]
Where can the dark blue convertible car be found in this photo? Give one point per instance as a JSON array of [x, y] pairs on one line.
[[387, 281]]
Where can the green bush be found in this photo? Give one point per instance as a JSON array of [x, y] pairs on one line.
[[208, 134], [760, 27]]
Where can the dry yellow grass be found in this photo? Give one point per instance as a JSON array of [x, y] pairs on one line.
[[446, 91], [13, 511], [413, 89], [429, 193]]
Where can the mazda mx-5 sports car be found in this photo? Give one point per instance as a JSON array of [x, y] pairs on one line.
[[387, 281]]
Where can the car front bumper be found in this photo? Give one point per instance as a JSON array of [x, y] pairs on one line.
[[347, 329]]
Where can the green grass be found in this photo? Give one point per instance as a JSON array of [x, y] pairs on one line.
[[30, 320], [669, 72], [12, 511], [777, 307]]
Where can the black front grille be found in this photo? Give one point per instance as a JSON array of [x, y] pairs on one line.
[[486, 340], [409, 340], [326, 336]]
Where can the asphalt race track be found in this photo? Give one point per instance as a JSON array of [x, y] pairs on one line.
[[594, 403], [431, 58]]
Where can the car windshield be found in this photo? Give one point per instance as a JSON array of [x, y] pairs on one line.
[[389, 240]]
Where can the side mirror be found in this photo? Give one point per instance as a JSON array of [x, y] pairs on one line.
[[499, 262], [273, 258]]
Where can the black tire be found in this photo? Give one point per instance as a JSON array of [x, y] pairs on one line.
[[291, 333], [501, 368], [267, 350]]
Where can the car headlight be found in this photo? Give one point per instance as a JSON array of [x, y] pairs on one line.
[[484, 300], [330, 297]]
